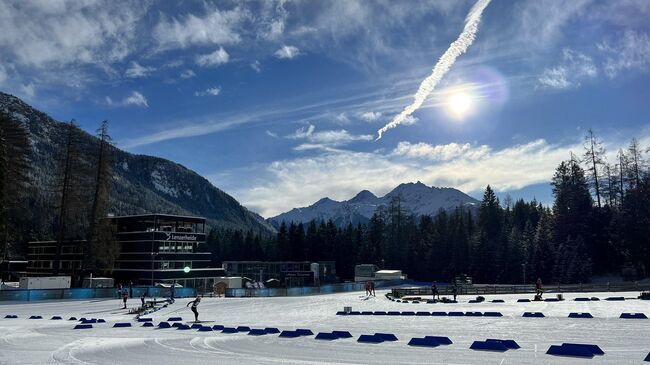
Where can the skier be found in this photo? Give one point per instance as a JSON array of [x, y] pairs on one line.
[[367, 286], [538, 288], [372, 288], [171, 293], [434, 290], [195, 303], [454, 290], [125, 296], [142, 299]]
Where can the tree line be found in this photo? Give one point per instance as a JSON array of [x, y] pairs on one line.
[[75, 194], [598, 223]]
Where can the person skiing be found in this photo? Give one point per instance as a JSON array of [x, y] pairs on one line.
[[434, 290], [144, 293], [171, 293], [195, 303], [125, 296], [538, 288], [367, 286], [372, 288], [454, 290]]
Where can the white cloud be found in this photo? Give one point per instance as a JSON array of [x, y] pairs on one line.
[[272, 134], [28, 90], [136, 70], [187, 74], [284, 184], [342, 119], [370, 116], [212, 91], [574, 68], [256, 66], [216, 58], [324, 139], [3, 74], [287, 52], [214, 27], [135, 99], [410, 120], [629, 52]]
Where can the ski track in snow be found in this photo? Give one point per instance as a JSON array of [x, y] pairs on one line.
[[24, 341]]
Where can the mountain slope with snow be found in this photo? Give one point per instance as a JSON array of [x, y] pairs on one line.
[[413, 197]]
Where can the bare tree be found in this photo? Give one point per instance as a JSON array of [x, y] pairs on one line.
[[635, 163], [593, 157]]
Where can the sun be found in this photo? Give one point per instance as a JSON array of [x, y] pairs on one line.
[[459, 105]]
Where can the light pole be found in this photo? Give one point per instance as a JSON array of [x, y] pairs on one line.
[[153, 256]]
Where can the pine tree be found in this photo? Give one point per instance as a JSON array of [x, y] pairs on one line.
[[594, 153]]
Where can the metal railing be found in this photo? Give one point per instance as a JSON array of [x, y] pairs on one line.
[[301, 291]]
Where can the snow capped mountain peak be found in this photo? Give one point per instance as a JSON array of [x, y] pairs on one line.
[[417, 198]]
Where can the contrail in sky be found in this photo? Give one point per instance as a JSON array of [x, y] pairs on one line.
[[458, 47]]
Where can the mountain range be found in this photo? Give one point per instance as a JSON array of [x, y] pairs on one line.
[[413, 197], [141, 184]]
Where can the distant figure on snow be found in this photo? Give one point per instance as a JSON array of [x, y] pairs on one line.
[[454, 290], [142, 298], [372, 288], [367, 286], [195, 303], [434, 290], [125, 296], [538, 288], [171, 293], [130, 289]]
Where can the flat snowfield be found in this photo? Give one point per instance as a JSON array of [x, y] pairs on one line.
[[42, 341]]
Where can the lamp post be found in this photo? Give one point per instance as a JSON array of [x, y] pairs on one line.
[[153, 256]]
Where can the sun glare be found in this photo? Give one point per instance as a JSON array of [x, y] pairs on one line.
[[459, 105]]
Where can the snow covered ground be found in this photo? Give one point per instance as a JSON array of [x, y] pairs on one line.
[[25, 341]]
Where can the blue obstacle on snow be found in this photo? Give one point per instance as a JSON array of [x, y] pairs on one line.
[[72, 319], [257, 332], [82, 318], [369, 339], [342, 334], [393, 313], [289, 334], [438, 314], [36, 317], [87, 321], [408, 313], [424, 342], [164, 325], [367, 313], [217, 327], [647, 358], [196, 325], [229, 330], [423, 313], [271, 330], [176, 324], [83, 326], [183, 327], [575, 350], [55, 318], [472, 301], [582, 299], [380, 313], [431, 301], [10, 316], [440, 339], [386, 336], [304, 332], [615, 298], [533, 315], [498, 301], [174, 319], [551, 300], [101, 321], [580, 315], [492, 314], [523, 300], [326, 336], [243, 328], [145, 319], [455, 314], [633, 316], [473, 314], [415, 302], [488, 346], [341, 313], [510, 344], [147, 324], [205, 329], [354, 313], [121, 324]]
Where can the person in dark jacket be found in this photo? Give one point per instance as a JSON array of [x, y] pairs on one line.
[[454, 290], [125, 296], [434, 290], [195, 303], [372, 288]]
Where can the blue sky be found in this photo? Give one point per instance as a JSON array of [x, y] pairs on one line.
[[279, 103]]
